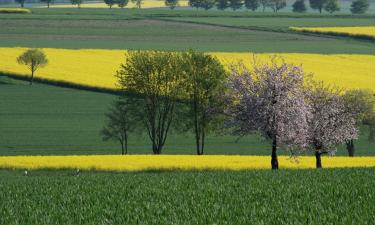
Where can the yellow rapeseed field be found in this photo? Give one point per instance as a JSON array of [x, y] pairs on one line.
[[353, 31], [174, 162], [14, 10], [145, 4], [95, 67]]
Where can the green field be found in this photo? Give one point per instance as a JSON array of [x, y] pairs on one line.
[[331, 196], [68, 121], [152, 29]]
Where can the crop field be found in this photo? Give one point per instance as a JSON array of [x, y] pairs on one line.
[[331, 196], [96, 68], [146, 4], [366, 31], [174, 162]]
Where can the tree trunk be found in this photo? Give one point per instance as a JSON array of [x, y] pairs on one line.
[[274, 161], [22, 4], [47, 4], [372, 132], [122, 148], [32, 77], [126, 145], [350, 147], [320, 10], [318, 159]]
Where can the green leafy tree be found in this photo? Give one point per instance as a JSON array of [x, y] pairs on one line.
[[363, 103], [33, 59], [222, 4], [332, 6], [77, 2], [156, 77], [121, 121], [171, 3], [252, 4], [204, 83], [359, 6], [122, 3], [235, 4], [318, 4], [110, 3], [207, 4], [299, 6], [21, 2], [276, 5], [48, 2]]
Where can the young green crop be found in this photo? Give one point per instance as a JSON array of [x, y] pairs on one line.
[[338, 196]]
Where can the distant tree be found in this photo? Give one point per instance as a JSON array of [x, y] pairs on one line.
[[299, 6], [235, 4], [359, 6], [156, 77], [48, 2], [120, 122], [171, 3], [318, 4], [363, 103], [332, 122], [110, 3], [332, 6], [33, 59], [138, 3], [264, 4], [276, 5], [207, 4], [222, 4], [195, 3], [77, 2], [122, 3], [252, 4], [270, 100], [204, 84], [21, 2]]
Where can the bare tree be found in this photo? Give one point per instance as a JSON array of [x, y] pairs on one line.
[[270, 100], [332, 123], [156, 77], [120, 122]]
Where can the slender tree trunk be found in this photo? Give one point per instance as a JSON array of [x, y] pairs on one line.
[[372, 132], [122, 148], [203, 138], [350, 147], [32, 77], [320, 10], [47, 4], [126, 145], [318, 159], [22, 4], [274, 161]]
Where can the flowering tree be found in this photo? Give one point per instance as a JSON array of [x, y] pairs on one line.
[[270, 100], [332, 121]]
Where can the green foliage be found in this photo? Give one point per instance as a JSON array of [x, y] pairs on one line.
[[195, 3], [245, 197], [332, 6], [171, 3], [299, 6], [359, 6], [156, 77], [235, 4], [204, 84], [110, 3], [33, 59], [318, 4], [76, 2], [122, 3], [252, 4], [222, 4]]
